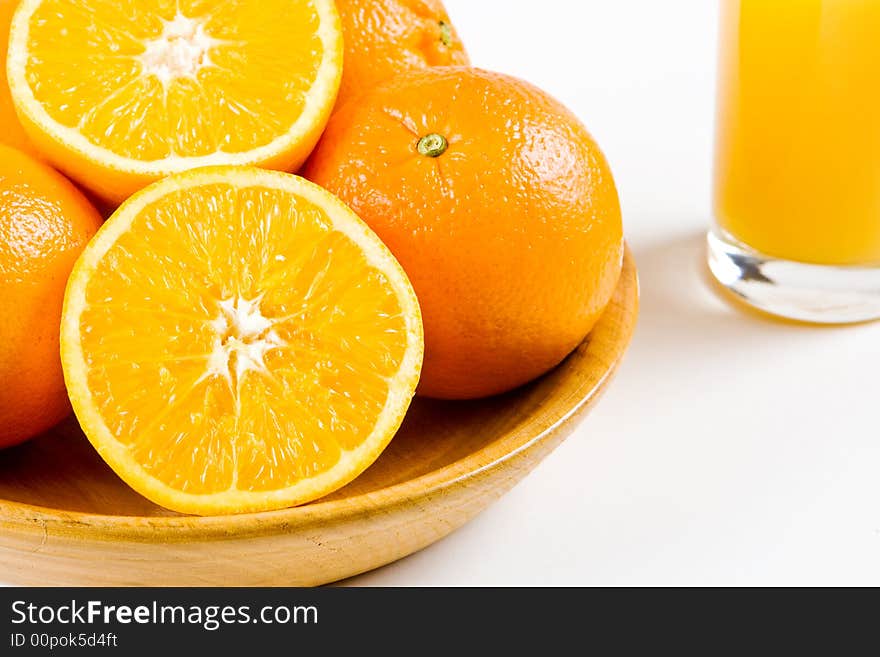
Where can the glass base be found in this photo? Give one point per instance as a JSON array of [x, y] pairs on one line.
[[824, 294]]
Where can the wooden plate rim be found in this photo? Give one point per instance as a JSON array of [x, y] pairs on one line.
[[614, 332]]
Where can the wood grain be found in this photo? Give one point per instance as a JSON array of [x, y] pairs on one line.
[[66, 519]]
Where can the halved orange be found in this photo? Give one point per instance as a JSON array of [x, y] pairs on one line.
[[119, 93], [237, 340]]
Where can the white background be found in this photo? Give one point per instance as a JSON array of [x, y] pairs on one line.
[[731, 449]]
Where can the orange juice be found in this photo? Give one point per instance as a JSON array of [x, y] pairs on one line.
[[797, 171]]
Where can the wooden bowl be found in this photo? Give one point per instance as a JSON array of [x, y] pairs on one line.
[[66, 519]]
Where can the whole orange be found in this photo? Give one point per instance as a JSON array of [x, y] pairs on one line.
[[44, 224], [501, 209], [386, 37], [11, 132]]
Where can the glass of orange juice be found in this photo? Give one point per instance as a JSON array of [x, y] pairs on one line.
[[797, 165]]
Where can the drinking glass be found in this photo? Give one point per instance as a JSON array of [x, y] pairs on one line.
[[797, 158]]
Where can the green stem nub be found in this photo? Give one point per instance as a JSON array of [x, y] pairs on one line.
[[433, 145], [446, 34]]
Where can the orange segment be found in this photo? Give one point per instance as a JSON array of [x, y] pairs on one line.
[[138, 90], [12, 134], [238, 340]]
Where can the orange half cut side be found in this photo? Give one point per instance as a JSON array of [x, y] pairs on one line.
[[120, 93], [238, 340]]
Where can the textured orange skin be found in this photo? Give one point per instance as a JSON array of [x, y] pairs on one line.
[[44, 224], [512, 238], [387, 37], [11, 132]]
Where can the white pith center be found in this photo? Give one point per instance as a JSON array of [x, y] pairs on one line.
[[181, 51], [243, 338]]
